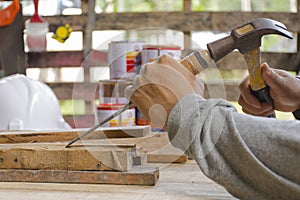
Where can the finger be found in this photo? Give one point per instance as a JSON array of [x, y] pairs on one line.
[[166, 60], [199, 86], [246, 94], [262, 114], [272, 79], [128, 92], [265, 107], [171, 62], [144, 69]]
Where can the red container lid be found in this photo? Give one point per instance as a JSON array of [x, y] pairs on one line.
[[161, 47], [109, 106]]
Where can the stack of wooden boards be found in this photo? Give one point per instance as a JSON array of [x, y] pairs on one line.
[[109, 156]]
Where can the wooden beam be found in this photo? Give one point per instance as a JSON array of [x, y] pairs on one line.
[[12, 56], [66, 59], [54, 156], [64, 91], [11, 137], [278, 60], [182, 21], [85, 91], [166, 158], [136, 176], [187, 5], [80, 121], [234, 60], [156, 146]]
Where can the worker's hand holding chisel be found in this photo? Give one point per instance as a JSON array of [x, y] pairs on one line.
[[284, 90], [160, 85]]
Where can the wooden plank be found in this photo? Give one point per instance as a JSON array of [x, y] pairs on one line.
[[156, 146], [54, 156], [12, 56], [279, 60], [10, 137], [66, 59], [234, 60], [80, 121], [79, 90], [136, 176], [178, 182], [183, 21], [166, 158], [64, 91]]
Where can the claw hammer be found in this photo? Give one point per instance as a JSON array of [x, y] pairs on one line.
[[247, 39]]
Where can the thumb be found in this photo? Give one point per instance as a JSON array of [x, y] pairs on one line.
[[128, 92], [272, 79]]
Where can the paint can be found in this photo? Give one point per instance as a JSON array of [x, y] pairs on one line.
[[149, 54], [113, 91], [152, 52], [141, 119], [121, 58], [127, 118]]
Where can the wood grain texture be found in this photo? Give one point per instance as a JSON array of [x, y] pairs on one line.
[[176, 182], [183, 21], [234, 60], [64, 90], [67, 135], [66, 59], [156, 146], [54, 156], [136, 176], [12, 56]]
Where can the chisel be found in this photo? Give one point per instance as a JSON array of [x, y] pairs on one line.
[[195, 62]]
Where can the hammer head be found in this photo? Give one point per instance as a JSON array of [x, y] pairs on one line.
[[247, 37]]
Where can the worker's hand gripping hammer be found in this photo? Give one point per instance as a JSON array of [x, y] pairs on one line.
[[247, 39]]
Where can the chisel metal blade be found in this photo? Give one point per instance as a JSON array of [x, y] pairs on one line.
[[121, 110]]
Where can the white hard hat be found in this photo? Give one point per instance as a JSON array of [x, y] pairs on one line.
[[27, 104]]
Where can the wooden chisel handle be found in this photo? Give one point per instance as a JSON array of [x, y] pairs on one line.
[[197, 61]]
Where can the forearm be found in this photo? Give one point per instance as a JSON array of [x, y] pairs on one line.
[[251, 157]]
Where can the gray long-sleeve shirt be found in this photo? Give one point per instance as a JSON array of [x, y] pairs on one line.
[[252, 157]]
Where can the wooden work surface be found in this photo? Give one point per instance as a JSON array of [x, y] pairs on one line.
[[176, 182]]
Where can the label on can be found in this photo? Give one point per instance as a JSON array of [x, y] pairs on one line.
[[121, 58], [127, 118], [141, 119], [152, 52]]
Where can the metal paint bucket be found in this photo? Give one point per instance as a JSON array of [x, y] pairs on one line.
[[112, 91], [149, 54], [121, 58], [152, 52], [127, 118]]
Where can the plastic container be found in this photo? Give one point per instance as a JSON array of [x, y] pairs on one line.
[[36, 35]]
